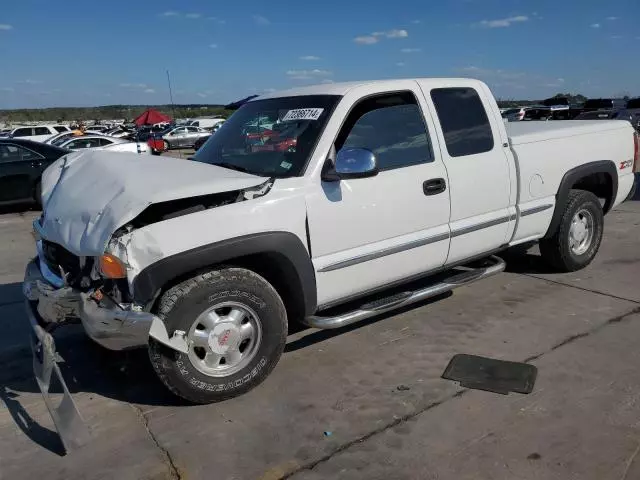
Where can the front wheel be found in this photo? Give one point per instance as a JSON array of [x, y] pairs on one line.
[[236, 327], [577, 239]]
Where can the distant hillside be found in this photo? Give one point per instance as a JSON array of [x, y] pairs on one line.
[[107, 112]]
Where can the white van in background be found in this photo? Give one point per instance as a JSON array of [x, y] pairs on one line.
[[38, 133], [206, 123]]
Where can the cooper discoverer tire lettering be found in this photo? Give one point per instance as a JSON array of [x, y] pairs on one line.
[[236, 327]]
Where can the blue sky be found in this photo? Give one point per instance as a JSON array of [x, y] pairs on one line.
[[99, 53]]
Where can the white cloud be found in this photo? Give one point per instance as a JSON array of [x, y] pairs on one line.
[[149, 90], [612, 18], [376, 36], [366, 40], [6, 26], [416, 22], [314, 72], [616, 37], [193, 15], [170, 14], [411, 50], [218, 20], [595, 25], [213, 45], [30, 81], [503, 22], [396, 34], [489, 73], [400, 64], [308, 74], [202, 94], [268, 90], [133, 85], [309, 58], [7, 89], [260, 20], [326, 80], [558, 82]]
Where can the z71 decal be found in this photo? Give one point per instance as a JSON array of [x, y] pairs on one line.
[[626, 164]]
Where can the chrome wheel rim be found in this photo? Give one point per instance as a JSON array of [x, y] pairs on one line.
[[224, 339], [581, 232]]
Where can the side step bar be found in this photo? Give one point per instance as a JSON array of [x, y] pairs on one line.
[[378, 306]]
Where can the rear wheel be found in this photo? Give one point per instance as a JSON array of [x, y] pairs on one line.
[[577, 239], [236, 326]]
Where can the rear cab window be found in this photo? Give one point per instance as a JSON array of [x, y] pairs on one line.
[[464, 121]]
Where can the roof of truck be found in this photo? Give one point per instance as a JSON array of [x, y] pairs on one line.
[[341, 88]]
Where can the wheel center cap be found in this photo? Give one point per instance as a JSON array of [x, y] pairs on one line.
[[224, 337], [579, 232]]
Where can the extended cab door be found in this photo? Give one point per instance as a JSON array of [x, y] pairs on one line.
[[368, 233], [481, 173]]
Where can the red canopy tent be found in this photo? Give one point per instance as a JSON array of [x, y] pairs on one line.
[[151, 117]]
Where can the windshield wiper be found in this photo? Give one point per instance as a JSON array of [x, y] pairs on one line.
[[237, 168]]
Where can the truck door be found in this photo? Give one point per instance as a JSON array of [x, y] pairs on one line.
[[370, 232], [480, 185]]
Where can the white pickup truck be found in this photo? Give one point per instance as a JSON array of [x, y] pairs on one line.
[[346, 206]]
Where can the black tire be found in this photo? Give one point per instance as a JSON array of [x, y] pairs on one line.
[[555, 250], [180, 306]]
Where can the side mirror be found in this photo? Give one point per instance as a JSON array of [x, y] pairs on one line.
[[352, 163]]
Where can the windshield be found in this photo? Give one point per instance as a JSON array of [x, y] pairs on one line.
[[272, 137]]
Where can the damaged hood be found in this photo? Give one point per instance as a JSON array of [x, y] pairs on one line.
[[86, 196]]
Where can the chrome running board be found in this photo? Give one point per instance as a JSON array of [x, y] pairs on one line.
[[397, 300]]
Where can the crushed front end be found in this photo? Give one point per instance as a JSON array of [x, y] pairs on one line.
[[61, 288]]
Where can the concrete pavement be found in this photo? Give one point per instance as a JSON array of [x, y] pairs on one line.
[[333, 409]]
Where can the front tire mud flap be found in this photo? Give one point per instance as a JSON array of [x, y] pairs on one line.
[[71, 428]]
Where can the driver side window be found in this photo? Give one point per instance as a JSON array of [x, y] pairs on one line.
[[392, 127]]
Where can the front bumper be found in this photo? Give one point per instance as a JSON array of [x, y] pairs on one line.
[[49, 303], [107, 323]]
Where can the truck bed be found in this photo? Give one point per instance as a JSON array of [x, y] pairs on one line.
[[527, 132]]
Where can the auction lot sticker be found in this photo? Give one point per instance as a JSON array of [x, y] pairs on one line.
[[303, 114]]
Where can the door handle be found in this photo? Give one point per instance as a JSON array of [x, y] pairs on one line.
[[434, 186]]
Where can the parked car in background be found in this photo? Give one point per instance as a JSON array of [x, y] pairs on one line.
[[64, 136], [38, 133], [102, 142], [21, 165], [180, 137], [200, 142], [5, 132], [513, 114], [603, 104], [98, 128]]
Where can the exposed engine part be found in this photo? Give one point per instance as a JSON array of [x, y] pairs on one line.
[[159, 212]]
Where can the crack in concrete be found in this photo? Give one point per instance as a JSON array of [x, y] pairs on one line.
[[173, 469], [584, 289], [397, 421]]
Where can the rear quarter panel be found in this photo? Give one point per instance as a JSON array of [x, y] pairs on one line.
[[542, 165]]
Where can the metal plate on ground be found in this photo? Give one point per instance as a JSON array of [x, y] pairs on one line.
[[489, 374]]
